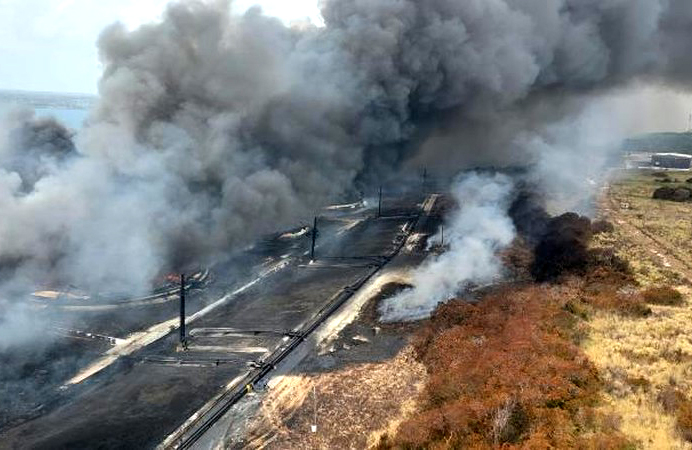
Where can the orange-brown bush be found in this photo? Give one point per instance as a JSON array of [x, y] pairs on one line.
[[663, 296], [606, 267], [602, 226], [605, 279], [676, 403], [611, 300], [506, 373]]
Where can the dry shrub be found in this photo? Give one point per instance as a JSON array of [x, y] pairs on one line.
[[676, 403], [638, 383], [674, 194], [607, 259], [608, 285], [622, 303], [505, 373], [665, 295], [683, 420], [608, 269], [663, 193], [602, 226]]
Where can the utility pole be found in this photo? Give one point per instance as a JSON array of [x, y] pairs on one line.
[[314, 240], [183, 340], [442, 227], [313, 427], [379, 204]]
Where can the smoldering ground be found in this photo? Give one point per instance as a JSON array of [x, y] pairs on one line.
[[475, 233], [212, 128]]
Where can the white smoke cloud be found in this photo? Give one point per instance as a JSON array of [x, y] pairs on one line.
[[475, 233], [571, 156], [20, 326]]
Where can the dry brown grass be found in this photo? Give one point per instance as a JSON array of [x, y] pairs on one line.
[[629, 206], [355, 405], [635, 358], [638, 357]]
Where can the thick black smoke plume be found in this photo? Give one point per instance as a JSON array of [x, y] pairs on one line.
[[563, 248], [257, 124]]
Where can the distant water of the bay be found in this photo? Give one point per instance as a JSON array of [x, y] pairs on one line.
[[69, 109]]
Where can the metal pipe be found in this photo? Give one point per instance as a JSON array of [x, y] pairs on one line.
[[379, 204], [314, 239]]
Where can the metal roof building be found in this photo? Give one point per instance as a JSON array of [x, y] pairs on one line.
[[671, 160]]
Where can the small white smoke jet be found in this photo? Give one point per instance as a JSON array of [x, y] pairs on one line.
[[476, 232]]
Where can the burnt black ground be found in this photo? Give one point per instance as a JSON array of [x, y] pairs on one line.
[[140, 400]]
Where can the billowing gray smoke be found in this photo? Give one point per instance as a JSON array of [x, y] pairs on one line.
[[213, 128], [33, 148]]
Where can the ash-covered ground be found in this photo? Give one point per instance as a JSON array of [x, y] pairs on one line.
[[147, 389]]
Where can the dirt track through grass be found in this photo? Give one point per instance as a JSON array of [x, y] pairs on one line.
[[641, 358]]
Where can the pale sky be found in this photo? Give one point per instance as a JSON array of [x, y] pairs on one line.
[[50, 45]]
